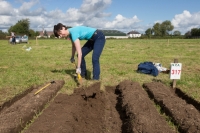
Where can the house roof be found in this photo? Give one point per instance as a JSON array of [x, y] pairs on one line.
[[48, 32], [133, 32]]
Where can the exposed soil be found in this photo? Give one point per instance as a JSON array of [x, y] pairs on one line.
[[125, 108], [16, 113], [185, 115]]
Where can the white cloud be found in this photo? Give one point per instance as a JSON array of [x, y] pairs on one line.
[[186, 21], [121, 22], [73, 15], [5, 8], [26, 9], [158, 21], [181, 19], [91, 6], [5, 22], [91, 13]]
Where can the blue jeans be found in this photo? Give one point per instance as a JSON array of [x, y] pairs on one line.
[[96, 43]]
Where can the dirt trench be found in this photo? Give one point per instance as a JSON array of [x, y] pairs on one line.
[[125, 108], [184, 115]]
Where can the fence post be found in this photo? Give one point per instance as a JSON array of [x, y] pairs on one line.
[[174, 80], [36, 40]]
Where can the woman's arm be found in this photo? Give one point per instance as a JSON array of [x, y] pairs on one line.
[[77, 47], [73, 50]]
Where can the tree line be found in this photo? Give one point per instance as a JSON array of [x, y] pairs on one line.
[[22, 27], [194, 33], [165, 29]]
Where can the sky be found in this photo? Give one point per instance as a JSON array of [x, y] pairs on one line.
[[122, 15]]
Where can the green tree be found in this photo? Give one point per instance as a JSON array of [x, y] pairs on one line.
[[37, 33], [3, 34], [31, 33], [177, 33], [166, 27], [188, 34], [157, 29], [149, 32], [21, 27], [195, 32], [162, 29]]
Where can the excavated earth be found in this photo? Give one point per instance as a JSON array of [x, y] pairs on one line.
[[125, 108]]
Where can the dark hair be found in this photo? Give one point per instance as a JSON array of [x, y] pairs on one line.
[[57, 28]]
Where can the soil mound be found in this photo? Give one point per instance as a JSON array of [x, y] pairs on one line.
[[125, 108], [15, 117], [77, 114], [184, 115], [122, 109], [140, 110]]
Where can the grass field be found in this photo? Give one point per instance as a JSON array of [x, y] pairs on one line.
[[49, 60]]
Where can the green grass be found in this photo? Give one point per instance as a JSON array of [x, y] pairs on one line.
[[49, 60]]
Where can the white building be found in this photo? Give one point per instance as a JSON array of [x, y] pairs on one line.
[[134, 34]]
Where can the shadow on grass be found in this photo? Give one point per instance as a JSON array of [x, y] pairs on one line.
[[72, 74]]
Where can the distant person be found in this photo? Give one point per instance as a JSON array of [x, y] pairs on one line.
[[12, 34], [95, 41], [13, 38]]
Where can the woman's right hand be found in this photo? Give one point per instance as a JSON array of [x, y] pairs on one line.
[[78, 70]]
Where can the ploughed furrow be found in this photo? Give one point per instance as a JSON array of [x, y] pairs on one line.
[[184, 115], [14, 118], [77, 114], [141, 112]]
